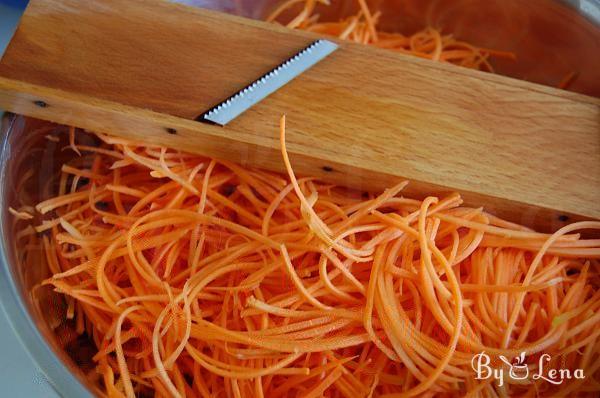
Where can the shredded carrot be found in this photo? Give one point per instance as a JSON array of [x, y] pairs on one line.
[[72, 140], [21, 214], [428, 43], [230, 281], [568, 80], [196, 277]]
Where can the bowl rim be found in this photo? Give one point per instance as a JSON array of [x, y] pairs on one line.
[[62, 380], [12, 299], [590, 9]]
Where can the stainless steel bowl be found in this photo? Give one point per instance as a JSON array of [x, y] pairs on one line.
[[23, 146], [549, 37]]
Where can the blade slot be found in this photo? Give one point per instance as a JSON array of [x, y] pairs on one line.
[[268, 83]]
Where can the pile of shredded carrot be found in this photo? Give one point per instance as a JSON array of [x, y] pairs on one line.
[[197, 277], [428, 43]]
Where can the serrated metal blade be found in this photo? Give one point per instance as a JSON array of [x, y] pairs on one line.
[[252, 94]]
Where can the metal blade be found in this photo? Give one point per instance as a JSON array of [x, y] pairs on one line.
[[238, 103]]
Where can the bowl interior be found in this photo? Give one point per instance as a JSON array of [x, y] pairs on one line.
[[550, 39]]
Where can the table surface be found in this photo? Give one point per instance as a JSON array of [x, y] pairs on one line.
[[19, 375]]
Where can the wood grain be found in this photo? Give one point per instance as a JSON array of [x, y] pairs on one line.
[[251, 150], [527, 151]]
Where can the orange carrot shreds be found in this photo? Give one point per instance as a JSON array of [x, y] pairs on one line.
[[21, 214], [72, 144], [568, 80], [199, 277], [428, 43]]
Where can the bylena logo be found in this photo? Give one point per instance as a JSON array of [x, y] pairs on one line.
[[518, 369]]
